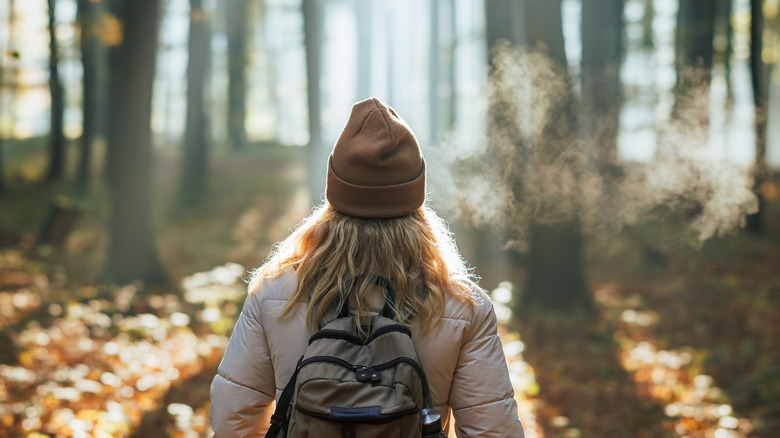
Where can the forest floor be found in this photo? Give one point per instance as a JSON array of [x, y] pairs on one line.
[[681, 343], [684, 342]]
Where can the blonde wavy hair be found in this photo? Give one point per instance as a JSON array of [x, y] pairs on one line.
[[330, 250]]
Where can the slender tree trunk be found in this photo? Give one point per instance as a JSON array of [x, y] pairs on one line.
[[312, 23], [364, 28], [2, 167], [56, 134], [759, 74], [452, 109], [2, 85], [695, 52], [602, 50], [91, 51], [132, 252], [195, 163], [506, 22], [237, 34], [273, 73], [724, 27], [13, 79], [116, 10], [647, 25], [602, 53], [271, 69], [2, 164]]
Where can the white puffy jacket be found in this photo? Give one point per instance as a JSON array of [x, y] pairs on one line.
[[461, 354]]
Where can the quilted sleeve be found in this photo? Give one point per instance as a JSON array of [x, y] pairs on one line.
[[243, 390], [481, 395]]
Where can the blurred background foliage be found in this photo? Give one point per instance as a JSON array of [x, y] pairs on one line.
[[608, 166]]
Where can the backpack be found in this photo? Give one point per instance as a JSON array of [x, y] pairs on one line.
[[349, 386]]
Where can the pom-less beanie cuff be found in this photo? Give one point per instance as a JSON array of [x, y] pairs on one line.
[[375, 202]]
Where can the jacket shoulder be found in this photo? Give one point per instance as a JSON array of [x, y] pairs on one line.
[[278, 288], [479, 308]]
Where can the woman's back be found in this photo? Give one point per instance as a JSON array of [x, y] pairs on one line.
[[461, 354]]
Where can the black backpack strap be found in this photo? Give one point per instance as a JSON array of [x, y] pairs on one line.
[[342, 308], [280, 419]]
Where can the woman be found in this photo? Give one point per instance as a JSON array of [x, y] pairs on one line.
[[374, 223]]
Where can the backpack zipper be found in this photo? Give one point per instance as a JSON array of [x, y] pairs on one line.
[[328, 359], [379, 367], [338, 334], [349, 366]]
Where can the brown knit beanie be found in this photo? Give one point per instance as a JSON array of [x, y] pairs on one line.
[[376, 169]]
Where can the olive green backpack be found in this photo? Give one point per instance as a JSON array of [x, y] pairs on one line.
[[347, 385]]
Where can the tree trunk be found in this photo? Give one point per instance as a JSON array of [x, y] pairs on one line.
[[91, 45], [364, 29], [695, 52], [13, 54], [452, 108], [2, 165], [505, 21], [602, 53], [195, 148], [116, 10], [132, 252], [555, 275], [555, 272], [555, 257], [272, 73], [555, 266], [724, 9], [312, 23], [237, 32], [695, 33], [56, 134], [647, 25], [759, 75], [602, 50]]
